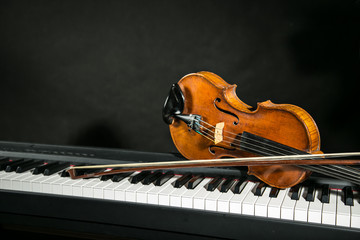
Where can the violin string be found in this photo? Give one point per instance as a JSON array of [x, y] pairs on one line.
[[326, 170], [243, 137], [251, 139], [353, 174], [346, 168], [256, 141], [339, 175], [238, 146], [215, 127]]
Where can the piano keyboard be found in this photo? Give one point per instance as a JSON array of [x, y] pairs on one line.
[[198, 203], [306, 203]]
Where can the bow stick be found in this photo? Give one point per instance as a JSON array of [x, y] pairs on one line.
[[306, 159]]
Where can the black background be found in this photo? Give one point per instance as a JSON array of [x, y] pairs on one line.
[[96, 73]]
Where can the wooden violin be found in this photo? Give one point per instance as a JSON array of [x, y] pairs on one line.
[[208, 121], [226, 127]]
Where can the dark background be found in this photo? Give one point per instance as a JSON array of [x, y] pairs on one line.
[[96, 73]]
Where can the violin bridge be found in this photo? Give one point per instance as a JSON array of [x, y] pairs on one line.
[[218, 135]]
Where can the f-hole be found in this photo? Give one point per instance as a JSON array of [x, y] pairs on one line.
[[213, 147], [217, 100]]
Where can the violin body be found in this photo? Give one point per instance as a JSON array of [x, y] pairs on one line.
[[210, 124], [209, 96]]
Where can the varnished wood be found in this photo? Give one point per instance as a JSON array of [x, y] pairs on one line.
[[209, 96], [284, 123]]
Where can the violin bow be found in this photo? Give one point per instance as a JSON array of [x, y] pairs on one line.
[[306, 159]]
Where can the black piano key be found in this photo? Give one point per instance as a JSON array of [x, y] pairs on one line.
[[227, 184], [151, 178], [41, 169], [51, 169], [4, 163], [193, 182], [182, 180], [4, 160], [119, 176], [13, 165], [213, 184], [30, 165], [106, 177], [259, 189], [310, 195], [348, 196], [239, 185], [64, 173], [164, 178], [274, 192], [140, 176], [295, 192], [325, 193]]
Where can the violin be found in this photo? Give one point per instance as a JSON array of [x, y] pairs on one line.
[[211, 126], [225, 127]]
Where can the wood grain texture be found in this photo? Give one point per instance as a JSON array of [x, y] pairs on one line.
[[284, 123]]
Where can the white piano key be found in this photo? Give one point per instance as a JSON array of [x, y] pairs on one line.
[[274, 206], [261, 204], [211, 200], [58, 184], [236, 201], [77, 187], [119, 192], [355, 211], [27, 182], [6, 180], [67, 187], [2, 175], [223, 202], [301, 207], [315, 208], [248, 205], [342, 211], [142, 193], [16, 182], [47, 185], [153, 194], [164, 195], [36, 184], [187, 199], [199, 198], [109, 191], [99, 189], [175, 196], [130, 193], [288, 206], [88, 189], [329, 209]]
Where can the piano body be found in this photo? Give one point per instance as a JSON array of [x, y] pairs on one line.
[[37, 198]]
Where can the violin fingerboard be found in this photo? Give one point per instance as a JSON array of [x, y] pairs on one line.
[[265, 147]]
